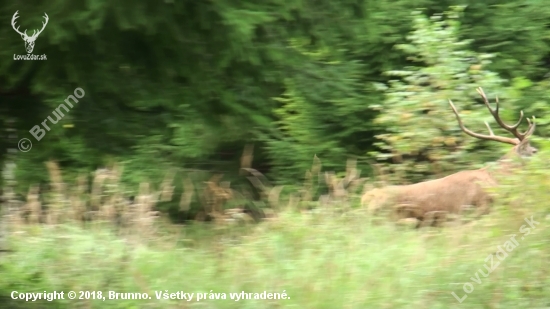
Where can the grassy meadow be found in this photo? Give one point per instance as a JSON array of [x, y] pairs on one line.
[[334, 256]]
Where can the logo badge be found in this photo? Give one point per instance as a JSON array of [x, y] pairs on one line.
[[29, 40]]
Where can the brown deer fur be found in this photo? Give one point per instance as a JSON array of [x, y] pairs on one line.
[[451, 194]]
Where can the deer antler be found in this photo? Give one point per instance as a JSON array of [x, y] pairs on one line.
[[13, 24], [44, 23], [512, 129], [24, 34]]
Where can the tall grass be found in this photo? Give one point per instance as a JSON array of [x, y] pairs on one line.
[[329, 257]]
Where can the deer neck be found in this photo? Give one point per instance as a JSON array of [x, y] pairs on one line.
[[506, 164]]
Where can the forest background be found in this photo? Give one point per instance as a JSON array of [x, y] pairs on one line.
[[185, 85]]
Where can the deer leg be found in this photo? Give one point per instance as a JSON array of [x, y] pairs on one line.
[[483, 208], [482, 211], [439, 218], [420, 222]]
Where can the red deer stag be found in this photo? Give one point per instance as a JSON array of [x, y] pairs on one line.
[[430, 200]]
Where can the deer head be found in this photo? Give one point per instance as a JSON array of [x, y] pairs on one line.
[[29, 40], [520, 141]]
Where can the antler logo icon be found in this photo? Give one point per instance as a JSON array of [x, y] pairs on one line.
[[29, 40]]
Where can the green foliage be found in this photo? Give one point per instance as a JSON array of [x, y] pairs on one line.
[[515, 31], [423, 135], [533, 98], [188, 84], [534, 172]]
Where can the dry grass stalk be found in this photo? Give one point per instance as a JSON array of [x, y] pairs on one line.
[[247, 157], [77, 202], [33, 206], [145, 216], [187, 194], [308, 188], [342, 190], [167, 188], [59, 202], [215, 195], [100, 176]]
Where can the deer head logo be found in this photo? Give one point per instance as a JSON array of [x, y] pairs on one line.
[[29, 40]]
